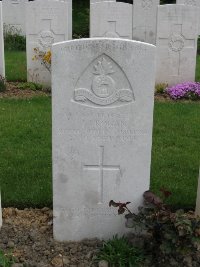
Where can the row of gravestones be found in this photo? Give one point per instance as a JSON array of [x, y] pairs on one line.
[[46, 22], [173, 29], [175, 37]]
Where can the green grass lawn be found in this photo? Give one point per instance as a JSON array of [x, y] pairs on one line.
[[25, 151], [15, 65], [176, 151]]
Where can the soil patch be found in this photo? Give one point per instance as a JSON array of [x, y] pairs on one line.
[[12, 91], [28, 235]]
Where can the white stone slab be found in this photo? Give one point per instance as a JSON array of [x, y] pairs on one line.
[[98, 1], [145, 20], [14, 15], [2, 61], [195, 3], [102, 133], [176, 43], [47, 23], [111, 19], [49, 0]]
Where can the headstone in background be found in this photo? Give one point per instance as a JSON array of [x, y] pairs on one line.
[[176, 43], [111, 19], [145, 20], [14, 16], [99, 1], [2, 61], [197, 210], [195, 3], [102, 133], [47, 23], [51, 0]]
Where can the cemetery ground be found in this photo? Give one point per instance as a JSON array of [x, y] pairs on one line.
[[26, 181], [26, 176], [26, 168]]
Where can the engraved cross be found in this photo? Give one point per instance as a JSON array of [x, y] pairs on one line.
[[111, 31], [100, 168], [177, 43]]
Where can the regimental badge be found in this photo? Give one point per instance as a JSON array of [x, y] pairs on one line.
[[105, 84]]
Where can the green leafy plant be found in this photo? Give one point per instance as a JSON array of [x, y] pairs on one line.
[[160, 88], [13, 39], [2, 84], [118, 252], [30, 85], [171, 233], [6, 260]]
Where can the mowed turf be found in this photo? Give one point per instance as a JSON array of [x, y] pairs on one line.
[[15, 62], [176, 151], [25, 151]]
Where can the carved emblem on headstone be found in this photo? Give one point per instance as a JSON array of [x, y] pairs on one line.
[[103, 89], [176, 43], [46, 39], [147, 4]]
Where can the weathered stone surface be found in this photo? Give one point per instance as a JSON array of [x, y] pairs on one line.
[[102, 133], [14, 14], [47, 23], [145, 20], [111, 19], [176, 43], [195, 3], [97, 1], [2, 62]]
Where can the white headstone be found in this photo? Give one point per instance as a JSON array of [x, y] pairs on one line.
[[96, 1], [195, 3], [176, 43], [145, 20], [2, 62], [14, 15], [111, 19], [47, 23], [53, 0], [102, 133]]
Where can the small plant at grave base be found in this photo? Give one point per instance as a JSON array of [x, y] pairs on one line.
[[160, 88], [118, 252], [2, 84], [44, 57], [168, 234], [186, 90], [30, 85], [6, 260]]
